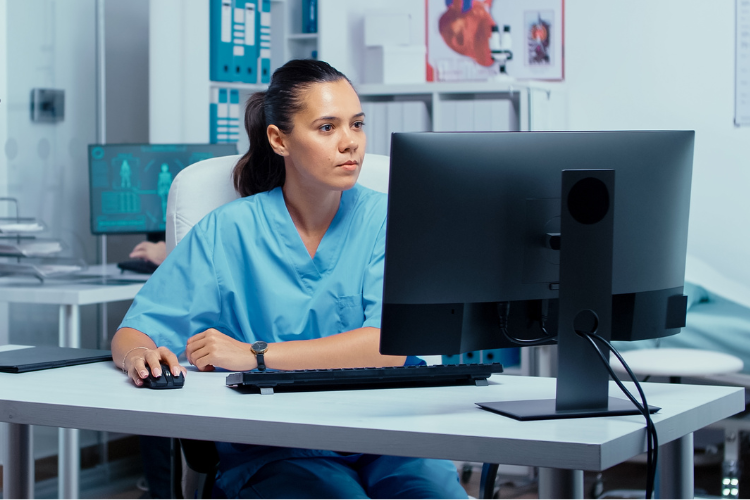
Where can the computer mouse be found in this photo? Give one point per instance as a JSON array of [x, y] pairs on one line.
[[166, 381]]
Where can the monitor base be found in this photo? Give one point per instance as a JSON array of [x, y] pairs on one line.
[[545, 409]]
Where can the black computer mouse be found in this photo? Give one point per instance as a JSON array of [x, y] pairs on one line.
[[166, 381]]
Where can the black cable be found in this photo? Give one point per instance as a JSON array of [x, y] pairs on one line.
[[531, 342], [651, 436], [652, 441], [503, 311]]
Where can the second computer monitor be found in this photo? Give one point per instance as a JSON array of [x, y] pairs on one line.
[[129, 183]]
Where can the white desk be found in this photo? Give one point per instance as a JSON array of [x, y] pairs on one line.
[[70, 293], [430, 422]]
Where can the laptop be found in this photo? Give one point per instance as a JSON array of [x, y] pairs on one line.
[[45, 357]]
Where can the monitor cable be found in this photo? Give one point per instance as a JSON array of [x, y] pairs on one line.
[[642, 406], [503, 311]]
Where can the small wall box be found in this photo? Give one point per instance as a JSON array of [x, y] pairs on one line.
[[47, 105]]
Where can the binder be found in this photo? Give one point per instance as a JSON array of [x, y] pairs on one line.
[[250, 42], [451, 359], [214, 116], [395, 121], [416, 117], [464, 115], [471, 358], [367, 109], [219, 115], [510, 356], [225, 115], [264, 49], [233, 120], [221, 44], [482, 115], [309, 16], [233, 44]]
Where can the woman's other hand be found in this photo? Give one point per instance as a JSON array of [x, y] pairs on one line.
[[212, 348], [153, 252]]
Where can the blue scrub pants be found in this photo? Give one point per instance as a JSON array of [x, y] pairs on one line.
[[355, 476]]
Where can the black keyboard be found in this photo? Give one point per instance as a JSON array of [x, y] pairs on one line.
[[363, 378], [138, 266]]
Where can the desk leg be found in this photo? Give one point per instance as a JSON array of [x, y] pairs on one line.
[[18, 464], [676, 468], [560, 483], [69, 456]]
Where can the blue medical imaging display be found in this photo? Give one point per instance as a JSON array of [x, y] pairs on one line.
[[129, 183]]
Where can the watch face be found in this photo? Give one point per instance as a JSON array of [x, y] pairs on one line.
[[259, 346]]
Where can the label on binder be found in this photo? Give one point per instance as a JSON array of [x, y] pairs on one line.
[[226, 21], [249, 24]]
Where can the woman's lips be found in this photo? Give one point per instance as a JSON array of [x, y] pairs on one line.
[[349, 165]]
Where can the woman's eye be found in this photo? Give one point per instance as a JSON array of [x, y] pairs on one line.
[[359, 124], [326, 128]]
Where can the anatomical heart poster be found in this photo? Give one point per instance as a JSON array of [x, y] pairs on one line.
[[459, 36]]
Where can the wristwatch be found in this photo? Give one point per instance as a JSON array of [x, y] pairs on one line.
[[259, 348]]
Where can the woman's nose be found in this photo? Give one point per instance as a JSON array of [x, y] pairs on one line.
[[348, 142]]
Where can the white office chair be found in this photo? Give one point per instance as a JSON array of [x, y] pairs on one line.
[[207, 185]]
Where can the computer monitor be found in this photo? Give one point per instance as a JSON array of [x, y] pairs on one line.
[[479, 244], [129, 183]]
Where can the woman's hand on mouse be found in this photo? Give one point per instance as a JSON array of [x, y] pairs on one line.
[[139, 362], [211, 348]]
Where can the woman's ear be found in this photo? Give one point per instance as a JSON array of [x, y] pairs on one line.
[[277, 140]]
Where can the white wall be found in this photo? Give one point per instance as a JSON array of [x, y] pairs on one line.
[[669, 64], [126, 40]]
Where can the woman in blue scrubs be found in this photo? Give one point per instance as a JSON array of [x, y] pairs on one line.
[[296, 263]]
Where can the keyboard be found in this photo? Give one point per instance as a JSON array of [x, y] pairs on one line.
[[138, 266], [363, 378]]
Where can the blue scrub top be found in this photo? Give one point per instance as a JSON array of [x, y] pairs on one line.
[[245, 271]]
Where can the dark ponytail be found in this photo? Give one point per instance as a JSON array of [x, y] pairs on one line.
[[261, 169]]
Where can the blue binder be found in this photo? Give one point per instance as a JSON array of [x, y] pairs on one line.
[[248, 54], [234, 43], [219, 115], [225, 115], [309, 16], [214, 116], [471, 358], [264, 56], [233, 119], [221, 44], [508, 356]]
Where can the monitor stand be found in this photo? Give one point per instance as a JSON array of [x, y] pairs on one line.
[[587, 231]]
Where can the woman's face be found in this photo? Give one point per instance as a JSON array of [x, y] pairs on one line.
[[327, 144]]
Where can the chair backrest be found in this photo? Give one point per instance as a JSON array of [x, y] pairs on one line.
[[206, 185]]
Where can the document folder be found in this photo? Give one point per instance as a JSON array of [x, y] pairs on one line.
[[264, 59], [44, 357]]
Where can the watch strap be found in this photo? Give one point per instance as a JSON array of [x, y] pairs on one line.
[[261, 361]]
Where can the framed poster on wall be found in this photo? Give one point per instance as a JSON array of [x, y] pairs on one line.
[[459, 31]]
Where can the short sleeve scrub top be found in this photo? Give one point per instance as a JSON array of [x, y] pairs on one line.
[[244, 270]]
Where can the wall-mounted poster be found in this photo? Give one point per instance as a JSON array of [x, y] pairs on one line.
[[459, 32]]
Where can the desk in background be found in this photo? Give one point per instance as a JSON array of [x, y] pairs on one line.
[[69, 293], [440, 422]]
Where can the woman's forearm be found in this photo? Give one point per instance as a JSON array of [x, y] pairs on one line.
[[352, 349], [127, 340]]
